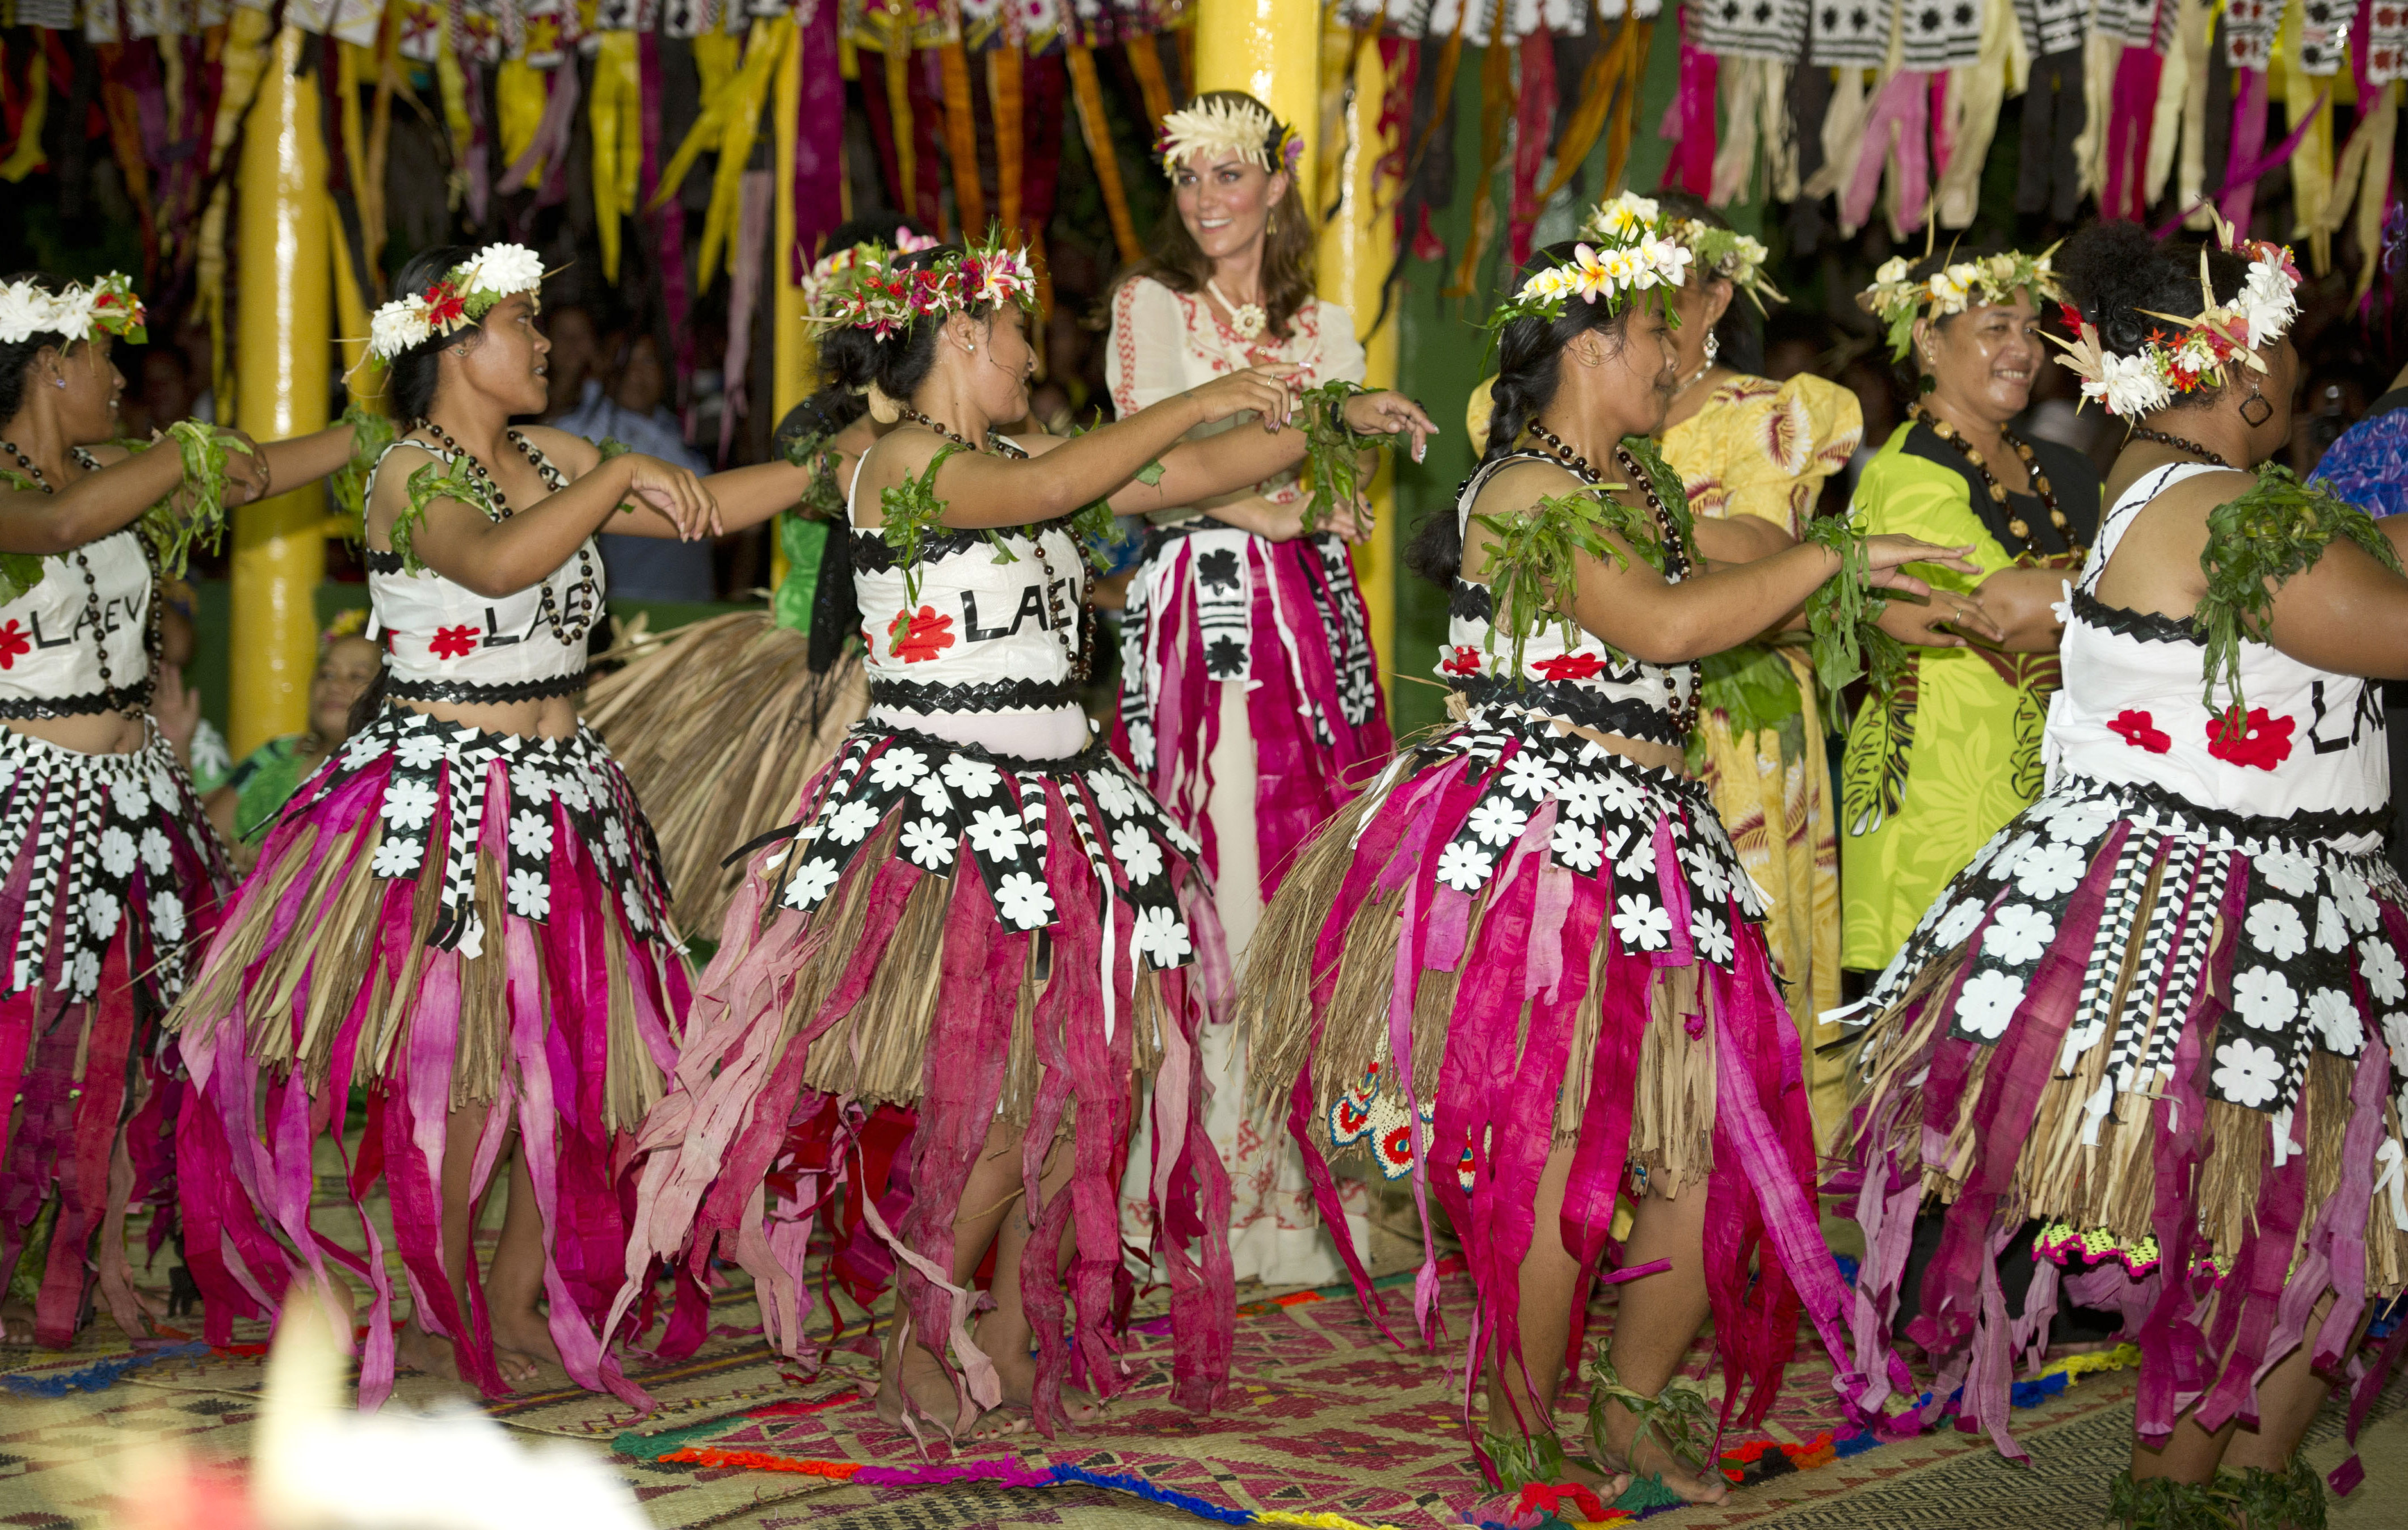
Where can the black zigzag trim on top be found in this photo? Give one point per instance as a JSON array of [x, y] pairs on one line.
[[89, 704], [1625, 718], [470, 691], [873, 554], [987, 696], [2147, 627], [2325, 824]]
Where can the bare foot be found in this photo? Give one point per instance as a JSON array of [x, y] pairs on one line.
[[1016, 1415], [932, 1394], [16, 1323], [415, 1348], [523, 1347], [1651, 1459]]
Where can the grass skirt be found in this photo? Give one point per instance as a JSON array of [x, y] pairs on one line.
[[446, 918], [1519, 942], [973, 937], [1286, 617], [719, 726], [113, 883], [2170, 1033]]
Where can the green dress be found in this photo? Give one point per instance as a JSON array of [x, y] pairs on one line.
[[265, 780], [1930, 774]]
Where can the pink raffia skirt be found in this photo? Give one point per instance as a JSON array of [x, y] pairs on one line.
[[1286, 617], [972, 937], [113, 883], [451, 920], [1519, 942], [2170, 1034]]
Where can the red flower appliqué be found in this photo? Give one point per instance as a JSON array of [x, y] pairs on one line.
[[453, 642], [2256, 740], [921, 634], [2137, 730], [1569, 666], [1463, 661], [13, 642]]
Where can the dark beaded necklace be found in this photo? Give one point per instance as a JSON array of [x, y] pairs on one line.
[[2015, 523], [1682, 696], [571, 617], [1071, 633], [2144, 433], [131, 703]]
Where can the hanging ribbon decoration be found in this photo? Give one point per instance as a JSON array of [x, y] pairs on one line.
[[1689, 120], [669, 216], [25, 112], [1096, 128], [731, 120], [1145, 62], [818, 191], [1897, 129], [617, 139], [1534, 120], [2364, 177], [2311, 161], [122, 70], [1497, 106], [548, 144], [899, 105]]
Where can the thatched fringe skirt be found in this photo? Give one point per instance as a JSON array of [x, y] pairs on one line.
[[2172, 1034], [1288, 618], [977, 938], [113, 881], [1520, 942], [451, 920], [719, 726]]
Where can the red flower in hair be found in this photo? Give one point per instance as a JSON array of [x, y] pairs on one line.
[[2137, 730], [13, 642], [453, 642], [1465, 660], [1569, 666], [445, 306], [2255, 740], [2072, 315]]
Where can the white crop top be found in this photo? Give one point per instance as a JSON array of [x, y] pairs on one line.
[[2131, 711], [445, 642], [995, 631], [79, 642], [1583, 682]]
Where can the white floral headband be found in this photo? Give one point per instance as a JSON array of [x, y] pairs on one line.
[[81, 312], [820, 286], [1224, 126], [2199, 349], [468, 292], [1898, 300], [1716, 252]]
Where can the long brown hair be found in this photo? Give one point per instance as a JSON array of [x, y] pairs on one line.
[[1174, 259]]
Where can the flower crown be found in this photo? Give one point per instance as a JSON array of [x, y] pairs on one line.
[[1223, 126], [1717, 252], [870, 292], [2196, 351], [468, 292], [104, 307], [821, 284], [1898, 300], [1628, 259]]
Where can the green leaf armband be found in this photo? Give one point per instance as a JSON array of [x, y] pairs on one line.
[[1842, 612], [371, 433], [822, 500], [2255, 543], [1534, 556], [1333, 467], [436, 481], [172, 535]]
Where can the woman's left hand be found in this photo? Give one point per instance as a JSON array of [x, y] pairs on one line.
[[245, 469], [1886, 555], [1386, 413], [1943, 619]]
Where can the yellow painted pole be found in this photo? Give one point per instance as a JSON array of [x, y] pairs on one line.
[[792, 356], [283, 360], [1356, 248], [1272, 49]]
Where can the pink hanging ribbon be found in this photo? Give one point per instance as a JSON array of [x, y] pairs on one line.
[[2131, 112], [1689, 120], [1902, 103], [819, 140]]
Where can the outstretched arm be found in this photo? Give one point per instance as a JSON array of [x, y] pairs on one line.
[[305, 459], [500, 558], [111, 499]]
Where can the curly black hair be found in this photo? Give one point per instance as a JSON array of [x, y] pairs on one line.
[[2115, 271]]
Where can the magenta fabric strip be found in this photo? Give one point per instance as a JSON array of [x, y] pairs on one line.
[[1903, 106], [2130, 114], [819, 139], [1689, 120], [2248, 145]]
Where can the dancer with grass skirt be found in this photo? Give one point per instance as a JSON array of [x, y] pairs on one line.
[[461, 912], [1250, 695], [113, 872], [2162, 1011], [980, 932], [1526, 968]]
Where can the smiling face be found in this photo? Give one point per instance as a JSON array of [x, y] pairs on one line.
[[1985, 360], [1225, 202], [507, 362]]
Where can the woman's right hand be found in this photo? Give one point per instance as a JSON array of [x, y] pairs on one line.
[[245, 469], [1928, 622], [674, 491], [1266, 391]]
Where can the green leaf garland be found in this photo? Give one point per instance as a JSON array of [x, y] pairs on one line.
[[822, 499], [1842, 612], [1333, 462], [435, 481], [172, 535], [371, 433], [2255, 543], [911, 508]]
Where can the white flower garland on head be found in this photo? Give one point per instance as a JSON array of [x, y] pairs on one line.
[[468, 292], [1223, 126], [1717, 252], [1898, 300], [1629, 263], [79, 312], [2203, 346]]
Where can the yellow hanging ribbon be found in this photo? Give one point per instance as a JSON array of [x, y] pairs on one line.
[[617, 127], [27, 156], [1499, 95], [519, 95], [1146, 63], [899, 108], [2311, 161], [961, 133], [733, 99], [454, 83]]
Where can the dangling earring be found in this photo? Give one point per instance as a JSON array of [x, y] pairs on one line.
[[58, 382], [1713, 346], [1271, 224], [2265, 409], [1927, 384]]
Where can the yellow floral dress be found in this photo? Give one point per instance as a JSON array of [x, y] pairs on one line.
[[1764, 448]]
